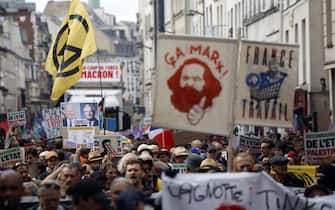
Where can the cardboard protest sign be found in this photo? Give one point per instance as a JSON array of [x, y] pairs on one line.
[[52, 122], [110, 144], [79, 137], [266, 81], [249, 191], [72, 113], [9, 157], [319, 146], [194, 88], [16, 118], [305, 173], [251, 144]]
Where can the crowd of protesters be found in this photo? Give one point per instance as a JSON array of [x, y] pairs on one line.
[[53, 178]]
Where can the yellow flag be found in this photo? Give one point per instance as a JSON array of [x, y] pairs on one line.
[[74, 41]]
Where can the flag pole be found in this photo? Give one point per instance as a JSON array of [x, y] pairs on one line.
[[231, 151]]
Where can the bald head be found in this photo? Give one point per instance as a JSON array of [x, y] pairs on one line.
[[11, 189]]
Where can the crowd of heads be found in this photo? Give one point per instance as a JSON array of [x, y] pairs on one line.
[[82, 179]]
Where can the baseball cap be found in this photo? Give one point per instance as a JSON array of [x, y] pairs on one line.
[[279, 160], [94, 155], [51, 154], [180, 151], [195, 150]]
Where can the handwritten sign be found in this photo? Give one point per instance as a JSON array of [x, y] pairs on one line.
[[16, 118], [251, 144], [251, 191], [9, 157], [319, 146]]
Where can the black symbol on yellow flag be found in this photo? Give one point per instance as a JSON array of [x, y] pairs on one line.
[[74, 41]]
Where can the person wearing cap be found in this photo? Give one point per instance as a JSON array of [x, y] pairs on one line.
[[164, 155], [281, 175], [325, 174], [52, 161], [154, 150], [95, 160], [192, 163], [180, 154]]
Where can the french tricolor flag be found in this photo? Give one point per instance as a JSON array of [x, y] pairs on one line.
[[163, 137]]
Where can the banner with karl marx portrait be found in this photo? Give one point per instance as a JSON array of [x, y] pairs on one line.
[[266, 80], [194, 83]]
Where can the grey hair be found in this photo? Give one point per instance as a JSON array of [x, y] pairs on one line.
[[120, 180]]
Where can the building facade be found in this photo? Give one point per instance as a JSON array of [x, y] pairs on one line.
[[328, 7], [24, 44]]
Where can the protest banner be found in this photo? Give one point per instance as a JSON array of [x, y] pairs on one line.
[[319, 146], [251, 144], [110, 144], [16, 118], [79, 137], [72, 113], [3, 126], [52, 122], [9, 157], [195, 79], [104, 72], [305, 173], [265, 84], [248, 191]]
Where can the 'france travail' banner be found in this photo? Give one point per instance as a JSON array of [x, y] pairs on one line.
[[195, 79], [265, 84], [319, 146], [247, 191]]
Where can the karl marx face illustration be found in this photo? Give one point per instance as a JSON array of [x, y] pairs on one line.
[[193, 84]]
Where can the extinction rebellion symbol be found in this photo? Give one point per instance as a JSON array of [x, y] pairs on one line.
[[59, 50]]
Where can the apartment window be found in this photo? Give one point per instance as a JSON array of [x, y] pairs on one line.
[[296, 33], [211, 15], [259, 6], [287, 3], [243, 12], [272, 3], [255, 6], [207, 16], [217, 20], [264, 5], [329, 27], [303, 40], [250, 7], [221, 18], [287, 36]]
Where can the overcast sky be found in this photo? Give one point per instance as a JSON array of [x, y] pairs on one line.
[[122, 9]]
